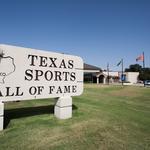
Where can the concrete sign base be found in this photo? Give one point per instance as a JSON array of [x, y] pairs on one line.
[[63, 108], [1, 115]]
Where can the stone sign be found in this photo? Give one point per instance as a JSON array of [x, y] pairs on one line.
[[34, 74], [27, 74]]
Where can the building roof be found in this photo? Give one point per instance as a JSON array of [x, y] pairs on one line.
[[90, 67]]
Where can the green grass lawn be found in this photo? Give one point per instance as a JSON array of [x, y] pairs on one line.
[[104, 117]]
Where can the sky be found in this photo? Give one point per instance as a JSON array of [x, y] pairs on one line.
[[99, 31]]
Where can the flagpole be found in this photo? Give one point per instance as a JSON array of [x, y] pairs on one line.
[[143, 60], [108, 72], [122, 72]]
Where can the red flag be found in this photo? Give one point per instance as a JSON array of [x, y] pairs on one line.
[[141, 58]]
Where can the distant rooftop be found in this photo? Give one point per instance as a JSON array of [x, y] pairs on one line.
[[91, 67]]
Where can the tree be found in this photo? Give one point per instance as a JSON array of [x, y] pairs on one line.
[[134, 68], [144, 74]]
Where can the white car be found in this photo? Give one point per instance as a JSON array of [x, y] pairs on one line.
[[147, 83]]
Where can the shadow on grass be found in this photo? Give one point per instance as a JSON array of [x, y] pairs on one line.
[[28, 111]]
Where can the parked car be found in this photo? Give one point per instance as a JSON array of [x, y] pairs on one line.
[[147, 83]]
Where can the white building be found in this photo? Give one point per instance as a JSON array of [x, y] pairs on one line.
[[132, 77], [93, 74]]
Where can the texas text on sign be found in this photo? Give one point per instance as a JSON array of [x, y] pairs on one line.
[[32, 74]]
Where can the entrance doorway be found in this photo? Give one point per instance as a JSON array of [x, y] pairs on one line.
[[101, 78]]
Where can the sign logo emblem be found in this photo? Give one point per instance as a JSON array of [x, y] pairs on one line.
[[6, 71]]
